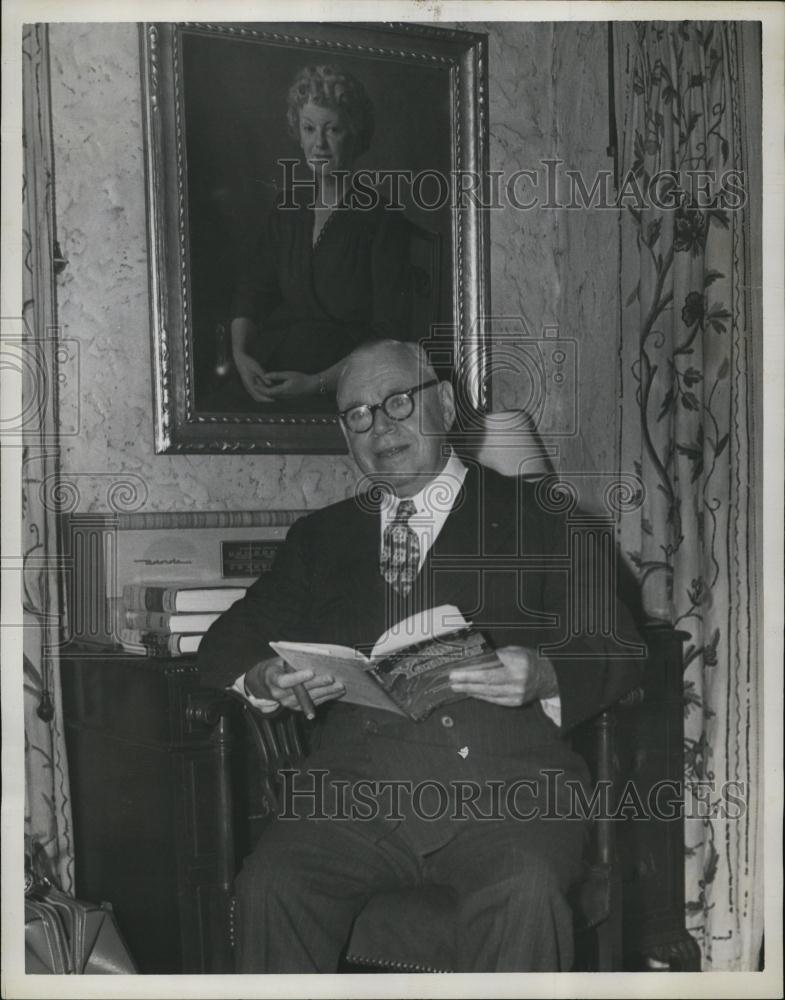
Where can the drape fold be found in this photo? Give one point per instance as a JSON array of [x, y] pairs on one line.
[[47, 793], [689, 336]]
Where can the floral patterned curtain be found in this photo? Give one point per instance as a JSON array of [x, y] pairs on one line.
[[689, 341], [47, 797]]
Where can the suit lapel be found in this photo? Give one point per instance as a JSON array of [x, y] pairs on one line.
[[476, 528], [480, 524], [362, 581]]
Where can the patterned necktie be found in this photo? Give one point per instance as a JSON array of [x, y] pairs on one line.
[[400, 550]]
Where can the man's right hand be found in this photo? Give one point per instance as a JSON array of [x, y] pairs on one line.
[[271, 682], [253, 377]]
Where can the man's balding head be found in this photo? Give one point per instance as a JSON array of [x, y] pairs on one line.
[[406, 453], [411, 358]]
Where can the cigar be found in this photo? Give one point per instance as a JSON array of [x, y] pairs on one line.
[[303, 698]]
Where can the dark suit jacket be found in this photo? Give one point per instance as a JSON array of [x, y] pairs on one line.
[[502, 560]]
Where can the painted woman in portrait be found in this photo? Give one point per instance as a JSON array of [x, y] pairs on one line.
[[325, 273]]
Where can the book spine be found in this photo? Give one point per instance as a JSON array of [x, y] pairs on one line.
[[158, 644], [147, 620], [164, 600], [138, 597], [151, 649], [155, 643], [162, 621], [138, 649]]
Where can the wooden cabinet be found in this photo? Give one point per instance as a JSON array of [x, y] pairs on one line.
[[149, 753]]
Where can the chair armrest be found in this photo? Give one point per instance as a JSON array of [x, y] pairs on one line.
[[598, 739], [630, 700], [277, 743], [605, 772]]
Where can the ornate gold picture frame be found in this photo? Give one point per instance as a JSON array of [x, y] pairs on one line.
[[217, 151]]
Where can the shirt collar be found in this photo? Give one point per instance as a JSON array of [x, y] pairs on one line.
[[439, 494]]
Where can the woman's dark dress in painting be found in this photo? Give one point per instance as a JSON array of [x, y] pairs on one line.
[[313, 304]]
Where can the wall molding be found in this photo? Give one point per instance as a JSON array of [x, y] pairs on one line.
[[176, 520]]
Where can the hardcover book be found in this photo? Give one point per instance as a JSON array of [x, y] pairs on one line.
[[144, 643], [166, 623], [177, 597], [408, 669]]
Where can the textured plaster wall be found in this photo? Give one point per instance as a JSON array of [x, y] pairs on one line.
[[553, 267], [103, 302]]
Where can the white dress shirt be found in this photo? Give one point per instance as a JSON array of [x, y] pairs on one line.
[[432, 506]]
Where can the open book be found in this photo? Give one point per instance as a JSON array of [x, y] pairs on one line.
[[409, 667]]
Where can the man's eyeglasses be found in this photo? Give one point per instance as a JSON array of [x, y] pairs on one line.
[[397, 406]]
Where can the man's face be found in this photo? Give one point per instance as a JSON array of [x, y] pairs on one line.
[[407, 453]]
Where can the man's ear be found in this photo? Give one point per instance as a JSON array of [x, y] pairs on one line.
[[346, 437], [447, 403]]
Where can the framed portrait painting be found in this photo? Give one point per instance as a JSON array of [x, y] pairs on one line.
[[309, 187]]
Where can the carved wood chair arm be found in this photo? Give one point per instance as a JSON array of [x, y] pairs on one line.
[[277, 741], [605, 771]]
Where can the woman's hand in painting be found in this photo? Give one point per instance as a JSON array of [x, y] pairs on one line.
[[254, 378], [281, 384]]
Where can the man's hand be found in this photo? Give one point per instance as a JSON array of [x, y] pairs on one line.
[[271, 685], [522, 676]]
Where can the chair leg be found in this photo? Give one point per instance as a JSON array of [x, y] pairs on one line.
[[609, 934]]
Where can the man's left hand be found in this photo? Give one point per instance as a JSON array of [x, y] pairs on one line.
[[521, 677]]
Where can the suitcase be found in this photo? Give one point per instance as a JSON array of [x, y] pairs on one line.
[[66, 936]]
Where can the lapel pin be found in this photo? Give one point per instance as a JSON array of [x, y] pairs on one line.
[[463, 752]]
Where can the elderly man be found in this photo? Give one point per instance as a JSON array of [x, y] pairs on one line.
[[427, 531]]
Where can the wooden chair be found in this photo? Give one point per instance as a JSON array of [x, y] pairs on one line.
[[628, 907], [412, 930]]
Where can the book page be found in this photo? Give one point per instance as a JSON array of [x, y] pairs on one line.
[[343, 664], [328, 649], [429, 624]]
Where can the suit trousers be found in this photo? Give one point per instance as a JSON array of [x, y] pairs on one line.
[[306, 881]]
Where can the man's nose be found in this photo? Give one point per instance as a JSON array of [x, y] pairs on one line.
[[381, 422]]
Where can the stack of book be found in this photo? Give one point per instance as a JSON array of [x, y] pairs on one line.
[[170, 620]]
